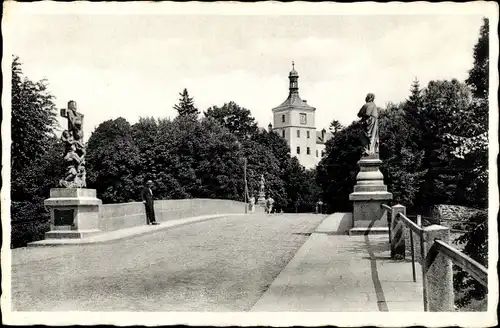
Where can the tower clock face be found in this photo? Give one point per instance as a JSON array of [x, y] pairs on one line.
[[303, 119]]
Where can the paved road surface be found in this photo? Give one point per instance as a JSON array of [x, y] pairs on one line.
[[218, 265]]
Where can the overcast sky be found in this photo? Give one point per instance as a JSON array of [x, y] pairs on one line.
[[135, 65]]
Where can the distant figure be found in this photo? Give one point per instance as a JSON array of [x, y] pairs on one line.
[[147, 199], [252, 203], [369, 118], [269, 204]]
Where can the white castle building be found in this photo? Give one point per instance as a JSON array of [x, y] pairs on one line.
[[294, 120]]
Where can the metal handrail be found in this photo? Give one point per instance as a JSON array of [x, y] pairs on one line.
[[476, 270], [410, 224]]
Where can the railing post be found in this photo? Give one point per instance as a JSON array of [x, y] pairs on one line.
[[389, 224], [437, 271], [397, 233]]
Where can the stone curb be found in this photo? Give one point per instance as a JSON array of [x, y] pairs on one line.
[[111, 236]]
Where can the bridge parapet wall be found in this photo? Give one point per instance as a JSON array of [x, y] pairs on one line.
[[127, 215]]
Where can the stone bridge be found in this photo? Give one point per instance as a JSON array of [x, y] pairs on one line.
[[218, 262]]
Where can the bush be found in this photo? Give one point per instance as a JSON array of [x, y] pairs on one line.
[[29, 222]]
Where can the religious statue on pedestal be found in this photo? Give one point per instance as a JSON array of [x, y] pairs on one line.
[[262, 195], [74, 148], [369, 119]]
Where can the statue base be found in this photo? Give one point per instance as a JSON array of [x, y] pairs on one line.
[[74, 213], [368, 196]]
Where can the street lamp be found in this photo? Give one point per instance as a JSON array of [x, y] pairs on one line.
[[244, 177], [246, 184]]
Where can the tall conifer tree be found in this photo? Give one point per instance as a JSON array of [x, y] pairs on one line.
[[186, 105]]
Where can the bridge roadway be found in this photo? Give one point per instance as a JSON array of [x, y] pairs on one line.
[[223, 264]]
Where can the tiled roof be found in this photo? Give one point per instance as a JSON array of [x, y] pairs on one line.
[[294, 101]]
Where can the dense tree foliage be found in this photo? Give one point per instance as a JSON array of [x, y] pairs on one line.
[[336, 172], [471, 150], [112, 174], [33, 120], [36, 156], [236, 119], [402, 160], [197, 158]]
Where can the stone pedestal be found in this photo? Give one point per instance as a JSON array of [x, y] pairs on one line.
[[74, 213], [261, 201], [369, 193]]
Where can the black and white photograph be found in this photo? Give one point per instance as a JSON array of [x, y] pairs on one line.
[[245, 164]]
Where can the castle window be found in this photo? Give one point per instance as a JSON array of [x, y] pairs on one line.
[[283, 133], [298, 150], [316, 153], [298, 133], [283, 118], [303, 118], [308, 134], [322, 153], [308, 151]]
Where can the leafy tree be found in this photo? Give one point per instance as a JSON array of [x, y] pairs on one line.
[[475, 243], [36, 156], [201, 157], [479, 74], [336, 172], [276, 144], [471, 144], [114, 176], [262, 161], [186, 105], [301, 188], [145, 134], [444, 111], [236, 119], [471, 151], [401, 159], [298, 190], [33, 122], [335, 126]]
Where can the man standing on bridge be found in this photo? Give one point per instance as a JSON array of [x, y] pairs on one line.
[[269, 204], [147, 199]]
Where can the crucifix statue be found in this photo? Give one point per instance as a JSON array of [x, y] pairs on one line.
[[75, 148]]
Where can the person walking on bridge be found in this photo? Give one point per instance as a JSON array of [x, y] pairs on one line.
[[252, 203], [147, 199], [269, 204]]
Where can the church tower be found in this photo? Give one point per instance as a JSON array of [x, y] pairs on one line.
[[294, 121]]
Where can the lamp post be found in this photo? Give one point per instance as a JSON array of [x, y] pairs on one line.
[[244, 177], [246, 184]]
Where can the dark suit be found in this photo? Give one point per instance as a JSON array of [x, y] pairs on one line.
[[147, 197]]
